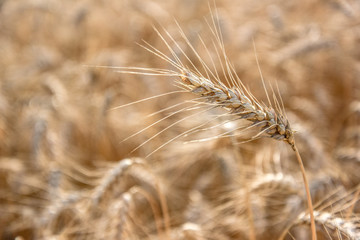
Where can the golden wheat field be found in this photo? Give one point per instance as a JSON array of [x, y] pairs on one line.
[[179, 119]]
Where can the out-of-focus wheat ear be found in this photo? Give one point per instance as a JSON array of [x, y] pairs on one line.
[[302, 46], [111, 179], [118, 218], [332, 214], [335, 226], [241, 214], [57, 209], [282, 198], [271, 181], [115, 183], [191, 231]]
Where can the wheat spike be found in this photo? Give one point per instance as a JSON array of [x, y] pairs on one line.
[[342, 226], [111, 178], [273, 123], [237, 100]]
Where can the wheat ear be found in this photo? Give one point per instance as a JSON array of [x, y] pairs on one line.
[[273, 123], [238, 100], [346, 227]]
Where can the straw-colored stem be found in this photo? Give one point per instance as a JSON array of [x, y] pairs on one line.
[[308, 195]]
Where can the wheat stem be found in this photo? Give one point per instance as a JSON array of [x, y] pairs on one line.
[[308, 195]]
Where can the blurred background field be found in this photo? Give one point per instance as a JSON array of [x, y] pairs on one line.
[[62, 168]]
